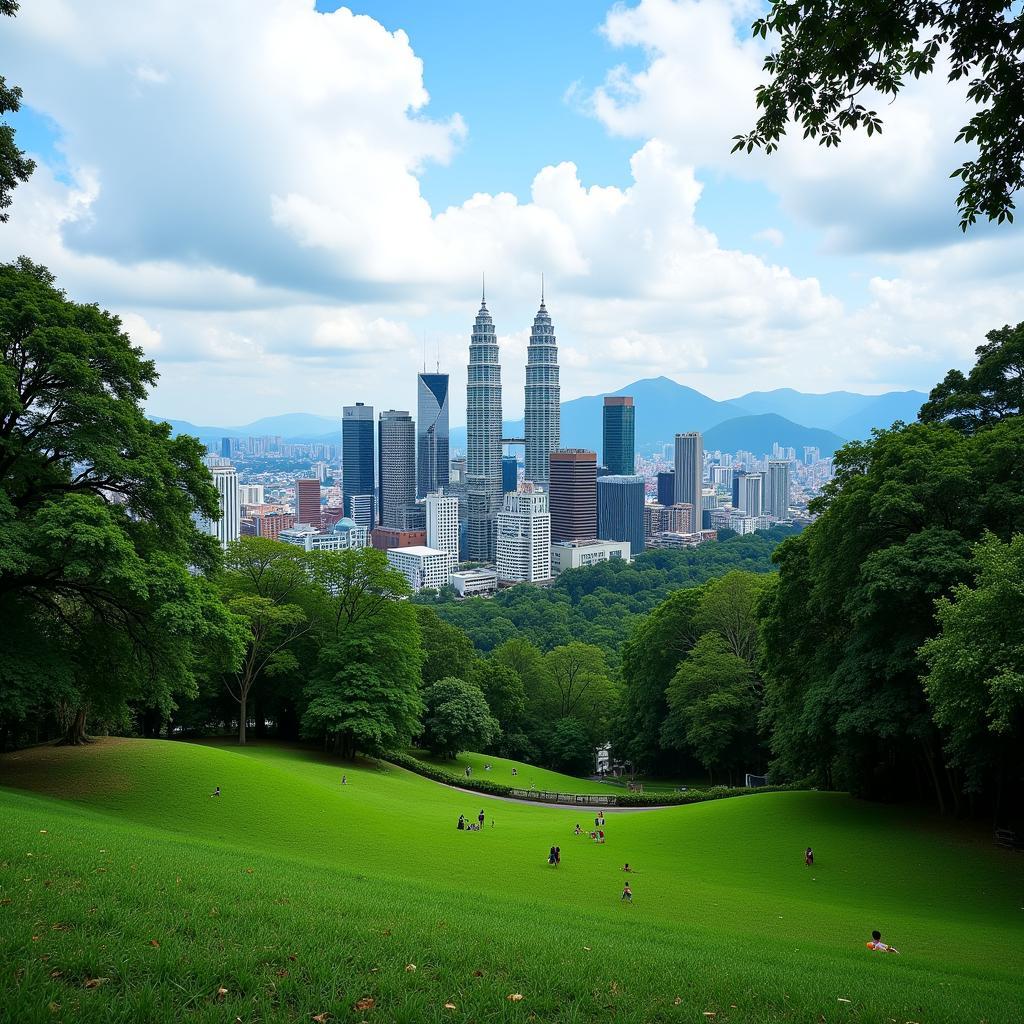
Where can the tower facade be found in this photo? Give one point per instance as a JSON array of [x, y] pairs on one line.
[[620, 510], [483, 438], [307, 502], [431, 432], [524, 537], [357, 463], [619, 451], [572, 490], [776, 490], [396, 454], [689, 470], [543, 413], [228, 526], [443, 524]]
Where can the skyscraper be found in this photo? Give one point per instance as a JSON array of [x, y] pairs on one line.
[[307, 502], [689, 469], [572, 488], [396, 473], [752, 494], [357, 463], [483, 437], [667, 488], [431, 432], [524, 537], [543, 413], [442, 516], [620, 510], [619, 452], [509, 473], [228, 526], [776, 490]]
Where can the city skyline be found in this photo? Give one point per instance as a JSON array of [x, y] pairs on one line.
[[261, 285]]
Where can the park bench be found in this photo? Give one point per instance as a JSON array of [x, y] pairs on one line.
[[1009, 839]]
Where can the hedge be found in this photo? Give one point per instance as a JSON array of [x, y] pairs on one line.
[[627, 799]]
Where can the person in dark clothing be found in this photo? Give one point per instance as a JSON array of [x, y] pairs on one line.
[[462, 822]]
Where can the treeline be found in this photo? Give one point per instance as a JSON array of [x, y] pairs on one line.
[[886, 656]]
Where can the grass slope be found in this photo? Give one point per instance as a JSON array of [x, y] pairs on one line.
[[501, 771], [300, 897]]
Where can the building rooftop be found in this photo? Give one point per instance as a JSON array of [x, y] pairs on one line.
[[418, 550]]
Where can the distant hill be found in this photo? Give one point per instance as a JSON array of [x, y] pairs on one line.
[[292, 426], [844, 412], [757, 434]]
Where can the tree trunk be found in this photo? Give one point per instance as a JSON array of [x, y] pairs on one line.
[[74, 735], [241, 720], [929, 758]]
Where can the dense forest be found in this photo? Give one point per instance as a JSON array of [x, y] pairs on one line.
[[884, 656]]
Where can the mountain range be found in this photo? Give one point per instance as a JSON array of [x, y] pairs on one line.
[[751, 422]]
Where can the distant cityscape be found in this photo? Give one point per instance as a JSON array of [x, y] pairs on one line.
[[487, 518]]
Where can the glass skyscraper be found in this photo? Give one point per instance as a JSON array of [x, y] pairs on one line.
[[543, 414], [690, 470], [432, 449], [620, 510], [357, 463], [483, 438], [396, 455], [619, 452]]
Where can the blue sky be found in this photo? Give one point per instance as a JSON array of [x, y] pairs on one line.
[[259, 191]]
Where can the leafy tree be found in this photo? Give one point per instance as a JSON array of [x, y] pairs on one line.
[[713, 707], [265, 586], [830, 55], [457, 718], [96, 528], [505, 693], [364, 691], [446, 648], [993, 390], [14, 165], [728, 606], [580, 687], [975, 669], [570, 748]]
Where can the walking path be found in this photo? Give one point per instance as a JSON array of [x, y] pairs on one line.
[[548, 803]]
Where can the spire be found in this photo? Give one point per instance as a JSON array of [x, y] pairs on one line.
[[542, 288], [483, 288]]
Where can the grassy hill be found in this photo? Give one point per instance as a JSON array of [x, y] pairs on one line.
[[299, 897]]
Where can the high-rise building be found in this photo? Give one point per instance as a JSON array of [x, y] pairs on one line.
[[509, 473], [751, 494], [667, 488], [689, 468], [572, 487], [543, 412], [432, 432], [228, 525], [619, 452], [226, 447], [776, 489], [524, 537], [422, 567], [737, 477], [483, 438], [811, 455], [396, 471], [250, 494], [442, 515], [620, 509], [307, 502], [357, 463]]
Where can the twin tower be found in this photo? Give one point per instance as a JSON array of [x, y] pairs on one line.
[[484, 422]]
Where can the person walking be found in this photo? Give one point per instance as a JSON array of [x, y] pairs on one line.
[[480, 817], [809, 857]]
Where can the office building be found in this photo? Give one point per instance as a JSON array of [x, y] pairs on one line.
[[412, 516], [509, 473], [227, 447], [483, 438], [457, 472], [432, 447], [776, 490], [737, 479], [442, 522], [619, 452], [345, 535], [424, 568], [474, 582], [227, 527], [384, 539], [542, 418], [751, 494], [652, 518], [689, 468], [396, 465], [579, 554], [678, 519], [811, 456], [524, 537], [572, 490], [620, 510], [307, 502], [721, 476], [667, 488], [357, 463], [250, 494]]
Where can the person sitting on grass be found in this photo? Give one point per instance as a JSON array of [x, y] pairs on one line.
[[579, 831], [627, 893], [626, 867], [515, 772], [878, 945], [216, 792], [552, 859], [809, 857], [462, 822]]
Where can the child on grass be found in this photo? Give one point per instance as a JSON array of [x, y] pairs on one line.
[[878, 945], [627, 893]]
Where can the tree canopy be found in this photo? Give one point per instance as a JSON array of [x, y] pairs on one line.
[[832, 63], [15, 167]]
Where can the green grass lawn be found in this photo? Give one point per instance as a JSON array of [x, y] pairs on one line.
[[528, 774], [300, 897]]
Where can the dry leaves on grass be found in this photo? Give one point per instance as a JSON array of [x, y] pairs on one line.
[[677, 1001], [514, 997], [95, 982], [221, 992], [154, 943], [410, 968], [366, 1003], [321, 1018], [449, 1006]]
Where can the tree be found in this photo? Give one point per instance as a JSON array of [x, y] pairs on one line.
[[457, 718], [975, 670], [830, 55], [96, 528], [993, 390], [263, 585], [447, 650], [14, 165], [728, 607], [713, 707], [580, 687], [364, 691], [570, 748]]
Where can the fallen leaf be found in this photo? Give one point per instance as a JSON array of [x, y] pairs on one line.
[[248, 871], [154, 943], [587, 948], [478, 974], [54, 1007], [35, 938], [281, 974], [514, 997], [221, 992], [449, 1006], [95, 982], [710, 1013], [42, 831], [56, 974], [410, 967], [366, 1003], [292, 956], [321, 1018], [677, 1001]]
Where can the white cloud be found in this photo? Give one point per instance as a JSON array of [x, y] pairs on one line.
[[772, 236]]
